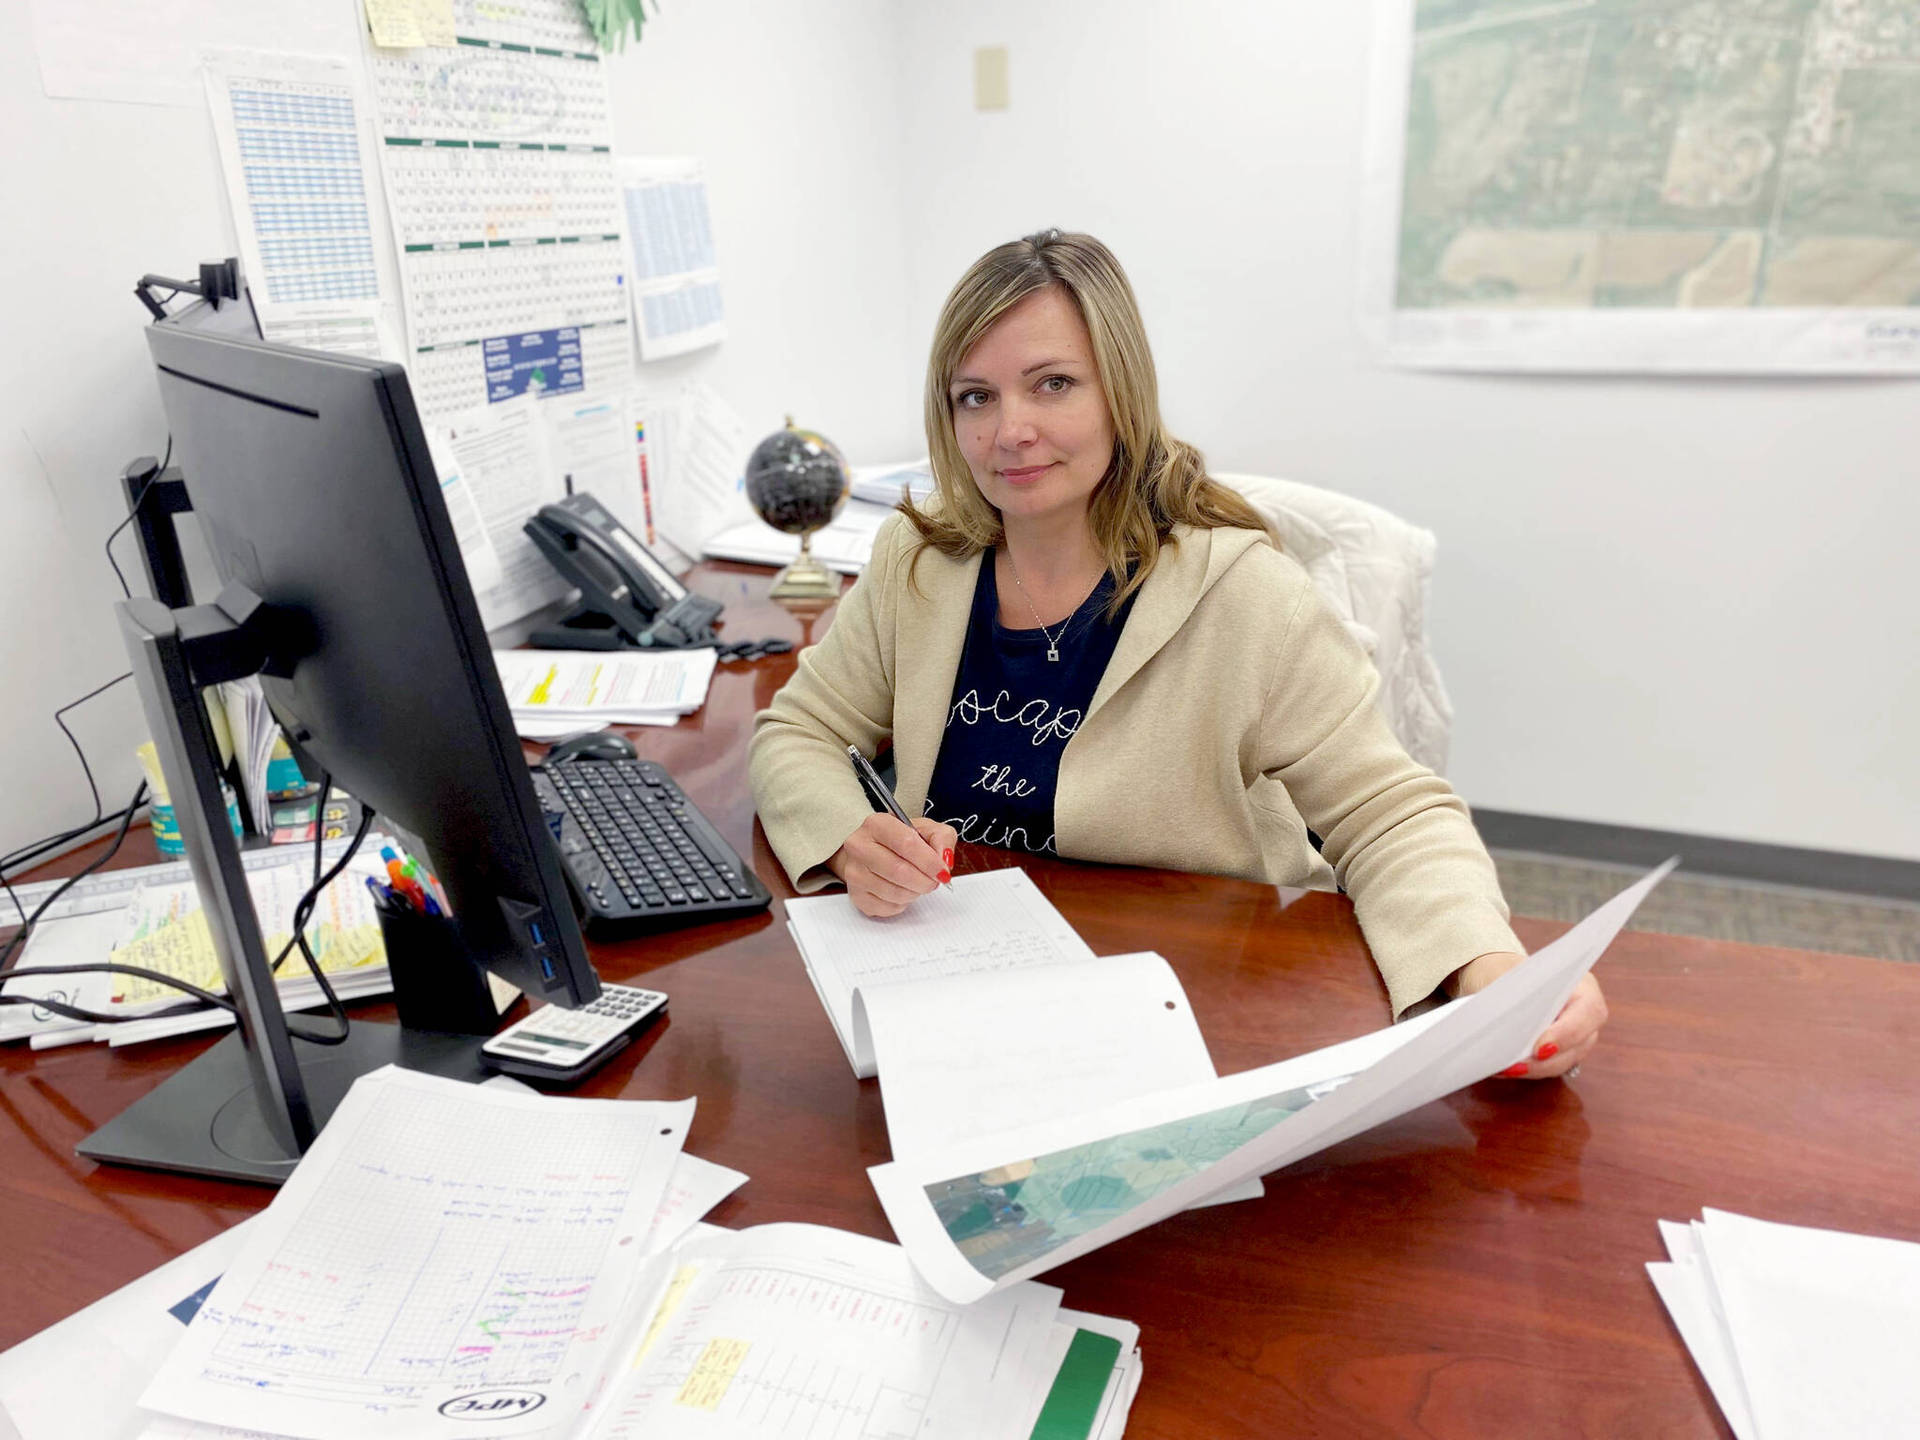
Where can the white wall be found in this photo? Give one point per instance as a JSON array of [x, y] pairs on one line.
[[793, 106], [1677, 604], [97, 195]]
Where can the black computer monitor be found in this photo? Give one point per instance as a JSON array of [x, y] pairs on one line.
[[310, 478]]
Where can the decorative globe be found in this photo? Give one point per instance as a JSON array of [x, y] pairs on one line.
[[796, 480]]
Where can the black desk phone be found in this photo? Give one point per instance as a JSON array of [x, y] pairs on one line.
[[627, 597]]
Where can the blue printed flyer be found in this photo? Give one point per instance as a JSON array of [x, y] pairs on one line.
[[540, 362]]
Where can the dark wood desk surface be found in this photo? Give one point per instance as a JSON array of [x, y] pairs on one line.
[[1472, 1269]]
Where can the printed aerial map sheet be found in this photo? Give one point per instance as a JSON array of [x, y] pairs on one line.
[[1706, 185]]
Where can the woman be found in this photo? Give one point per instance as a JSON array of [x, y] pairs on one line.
[[1083, 646]]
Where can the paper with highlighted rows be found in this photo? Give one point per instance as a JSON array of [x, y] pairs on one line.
[[980, 1214], [790, 1330], [445, 1253]]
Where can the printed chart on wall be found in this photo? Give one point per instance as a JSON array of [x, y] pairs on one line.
[[498, 158], [676, 277], [1634, 185], [298, 159]]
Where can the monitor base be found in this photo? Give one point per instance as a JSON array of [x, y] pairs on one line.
[[204, 1120]]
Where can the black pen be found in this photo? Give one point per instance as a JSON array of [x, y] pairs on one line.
[[877, 791]]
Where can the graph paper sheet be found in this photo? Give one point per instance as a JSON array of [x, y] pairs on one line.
[[298, 158], [497, 153], [795, 1330], [447, 1260]]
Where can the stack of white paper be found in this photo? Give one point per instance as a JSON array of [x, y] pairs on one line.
[[882, 484], [1800, 1333], [85, 1375], [553, 1281], [845, 545], [564, 692]]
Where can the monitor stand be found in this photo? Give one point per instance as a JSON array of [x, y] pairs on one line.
[[251, 1107], [206, 1119]]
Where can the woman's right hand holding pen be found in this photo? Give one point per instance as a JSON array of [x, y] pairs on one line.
[[887, 866]]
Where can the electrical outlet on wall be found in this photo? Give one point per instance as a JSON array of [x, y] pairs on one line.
[[990, 78]]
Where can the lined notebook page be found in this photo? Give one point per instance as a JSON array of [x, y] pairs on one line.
[[995, 920]]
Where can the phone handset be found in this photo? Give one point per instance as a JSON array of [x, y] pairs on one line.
[[627, 597]]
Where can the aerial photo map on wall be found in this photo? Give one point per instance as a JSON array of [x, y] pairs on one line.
[[1698, 185]]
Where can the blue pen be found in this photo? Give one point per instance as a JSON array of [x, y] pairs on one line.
[[382, 897], [433, 906]]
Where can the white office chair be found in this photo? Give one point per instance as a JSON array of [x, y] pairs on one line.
[[1374, 569]]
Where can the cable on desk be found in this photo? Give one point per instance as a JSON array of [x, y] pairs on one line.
[[76, 1012], [20, 936], [9, 970], [303, 912], [40, 847]]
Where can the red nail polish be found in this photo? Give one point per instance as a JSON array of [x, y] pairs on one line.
[[1546, 1051], [946, 877], [946, 858], [1515, 1070]]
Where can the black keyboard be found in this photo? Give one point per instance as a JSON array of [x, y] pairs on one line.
[[636, 848]]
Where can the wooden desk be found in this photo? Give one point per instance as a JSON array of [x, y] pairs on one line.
[[1472, 1269]]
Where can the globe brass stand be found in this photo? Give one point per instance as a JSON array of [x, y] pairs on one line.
[[806, 578]]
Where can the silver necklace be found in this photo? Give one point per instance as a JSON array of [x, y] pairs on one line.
[[1053, 641]]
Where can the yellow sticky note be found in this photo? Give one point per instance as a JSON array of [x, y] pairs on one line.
[[174, 939], [181, 947], [677, 1288], [712, 1373], [405, 24]]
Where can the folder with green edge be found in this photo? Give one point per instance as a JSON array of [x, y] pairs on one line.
[[1074, 1402]]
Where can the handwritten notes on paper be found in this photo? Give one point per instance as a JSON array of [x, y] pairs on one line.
[[167, 932], [439, 1242], [994, 921]]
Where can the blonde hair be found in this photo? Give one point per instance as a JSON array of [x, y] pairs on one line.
[[1154, 481]]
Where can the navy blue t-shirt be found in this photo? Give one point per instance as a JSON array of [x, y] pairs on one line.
[[1011, 715]]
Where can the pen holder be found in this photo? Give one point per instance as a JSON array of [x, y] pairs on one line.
[[436, 984]]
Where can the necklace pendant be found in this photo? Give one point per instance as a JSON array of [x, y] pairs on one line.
[[1053, 652]]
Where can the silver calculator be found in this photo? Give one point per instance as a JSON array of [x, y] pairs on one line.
[[561, 1046]]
